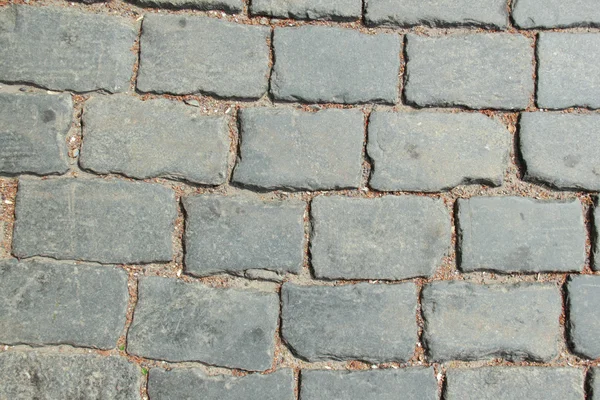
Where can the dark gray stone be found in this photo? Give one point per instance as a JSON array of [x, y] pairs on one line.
[[314, 64], [233, 6], [515, 234], [308, 9], [432, 151], [95, 220], [154, 138], [584, 315], [177, 321], [295, 150], [555, 13], [192, 54], [33, 133], [393, 237], [234, 234], [466, 321], [65, 49], [498, 74], [374, 323]]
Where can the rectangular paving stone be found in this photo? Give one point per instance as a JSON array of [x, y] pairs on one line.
[[483, 70], [568, 70], [42, 375], [373, 323], [234, 234], [514, 234], [584, 315], [94, 220], [509, 383], [308, 9], [389, 384], [555, 13], [467, 321], [313, 64], [176, 321], [594, 383], [233, 6], [392, 237], [432, 151], [46, 303], [154, 138], [64, 49], [33, 133], [230, 60], [295, 150]]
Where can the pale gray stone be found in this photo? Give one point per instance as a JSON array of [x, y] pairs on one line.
[[594, 384], [233, 6], [308, 9], [584, 315], [555, 13]]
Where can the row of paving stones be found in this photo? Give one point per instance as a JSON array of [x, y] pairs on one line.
[[63, 49]]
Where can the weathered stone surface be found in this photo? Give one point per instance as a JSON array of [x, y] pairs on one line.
[[182, 54], [33, 375], [466, 321], [64, 49], [594, 383], [94, 220], [177, 321], [295, 150], [45, 303], [568, 70], [308, 9], [33, 133], [555, 13], [509, 383], [407, 13], [432, 151], [409, 383], [374, 323], [233, 6], [229, 234], [514, 234], [181, 384], [498, 73], [384, 238], [313, 64], [584, 315], [144, 139]]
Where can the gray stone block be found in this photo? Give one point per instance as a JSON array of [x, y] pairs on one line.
[[466, 321], [432, 151], [373, 323], [555, 13], [230, 60], [308, 9], [484, 70], [233, 6], [95, 220], [584, 315], [295, 150], [177, 321], [568, 70], [234, 234], [33, 133], [314, 64], [393, 237], [514, 234], [594, 384], [154, 138], [64, 49]]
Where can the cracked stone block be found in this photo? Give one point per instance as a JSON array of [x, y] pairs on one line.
[[177, 321], [549, 14], [514, 234], [466, 321], [232, 6], [64, 49], [584, 315], [308, 9]]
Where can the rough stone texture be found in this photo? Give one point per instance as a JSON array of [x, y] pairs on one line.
[[144, 139], [177, 321], [43, 303], [64, 49], [308, 9], [181, 384], [407, 13], [94, 220], [295, 150], [568, 70], [555, 13], [48, 376], [228, 234], [313, 64], [509, 383], [498, 73], [584, 315], [514, 234], [432, 151], [408, 383], [233, 6], [383, 238], [466, 321], [374, 323], [33, 133], [230, 60], [594, 383]]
